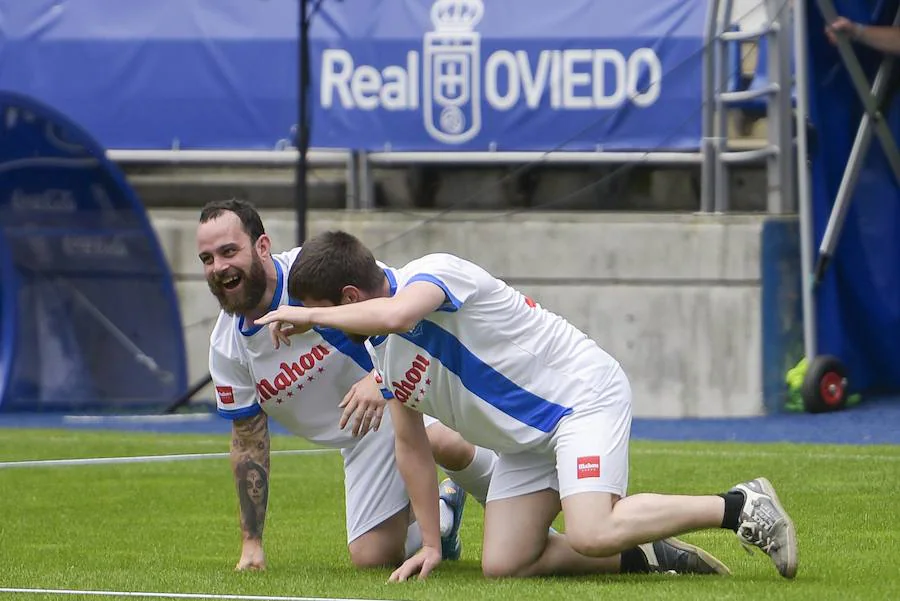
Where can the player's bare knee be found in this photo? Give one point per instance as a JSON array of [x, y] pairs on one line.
[[495, 570], [371, 556], [377, 549], [451, 451], [495, 565], [501, 561]]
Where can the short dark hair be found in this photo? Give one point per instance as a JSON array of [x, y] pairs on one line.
[[245, 211], [330, 261]]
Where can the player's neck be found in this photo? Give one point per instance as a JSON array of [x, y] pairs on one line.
[[266, 302]]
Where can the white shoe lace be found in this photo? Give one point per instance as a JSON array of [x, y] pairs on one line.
[[751, 535]]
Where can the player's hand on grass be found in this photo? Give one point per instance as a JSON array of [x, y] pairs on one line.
[[284, 322], [366, 403], [422, 563], [252, 556]]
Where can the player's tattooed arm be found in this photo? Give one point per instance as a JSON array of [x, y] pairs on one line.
[[250, 463]]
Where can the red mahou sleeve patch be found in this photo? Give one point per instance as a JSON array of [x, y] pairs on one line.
[[226, 394]]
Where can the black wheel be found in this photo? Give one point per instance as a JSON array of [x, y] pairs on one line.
[[825, 385]]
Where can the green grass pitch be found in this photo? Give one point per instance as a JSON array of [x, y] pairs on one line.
[[173, 527]]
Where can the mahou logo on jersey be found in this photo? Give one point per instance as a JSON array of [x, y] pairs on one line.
[[413, 382], [291, 372], [589, 467], [226, 394]]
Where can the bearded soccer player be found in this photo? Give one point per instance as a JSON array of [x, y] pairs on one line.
[[316, 387]]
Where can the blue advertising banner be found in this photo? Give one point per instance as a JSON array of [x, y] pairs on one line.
[[411, 75], [512, 75]]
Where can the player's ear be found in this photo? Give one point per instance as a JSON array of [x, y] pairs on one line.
[[263, 246], [350, 295]]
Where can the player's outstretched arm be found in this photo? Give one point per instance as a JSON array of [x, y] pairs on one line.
[[416, 465], [250, 463], [373, 317]]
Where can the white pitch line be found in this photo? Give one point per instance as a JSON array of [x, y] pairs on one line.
[[196, 456], [143, 459], [48, 591], [164, 419]]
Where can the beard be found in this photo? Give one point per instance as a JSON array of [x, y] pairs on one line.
[[252, 284]]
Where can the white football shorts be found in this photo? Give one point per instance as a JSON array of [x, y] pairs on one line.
[[587, 453], [373, 488]]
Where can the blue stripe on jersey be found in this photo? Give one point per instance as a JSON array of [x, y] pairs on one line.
[[392, 281], [242, 413], [276, 300], [452, 304], [339, 340], [485, 381]]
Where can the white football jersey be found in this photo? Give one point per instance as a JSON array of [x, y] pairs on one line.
[[490, 363], [300, 386]]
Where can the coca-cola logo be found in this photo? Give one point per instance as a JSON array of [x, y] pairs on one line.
[[48, 201]]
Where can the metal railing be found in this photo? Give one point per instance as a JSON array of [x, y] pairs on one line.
[[288, 156]]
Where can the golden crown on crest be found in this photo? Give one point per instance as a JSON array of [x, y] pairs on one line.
[[456, 15]]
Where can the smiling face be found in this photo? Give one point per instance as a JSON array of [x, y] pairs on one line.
[[233, 264]]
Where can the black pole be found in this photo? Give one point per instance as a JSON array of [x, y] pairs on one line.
[[301, 186], [185, 399]]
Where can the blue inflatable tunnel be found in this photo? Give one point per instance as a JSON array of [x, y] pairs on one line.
[[89, 320]]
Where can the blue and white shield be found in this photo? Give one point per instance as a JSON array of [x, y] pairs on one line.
[[452, 93]]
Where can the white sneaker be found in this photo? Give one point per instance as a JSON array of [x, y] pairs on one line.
[[765, 524]]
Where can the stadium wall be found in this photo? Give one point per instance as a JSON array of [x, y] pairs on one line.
[[702, 311]]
